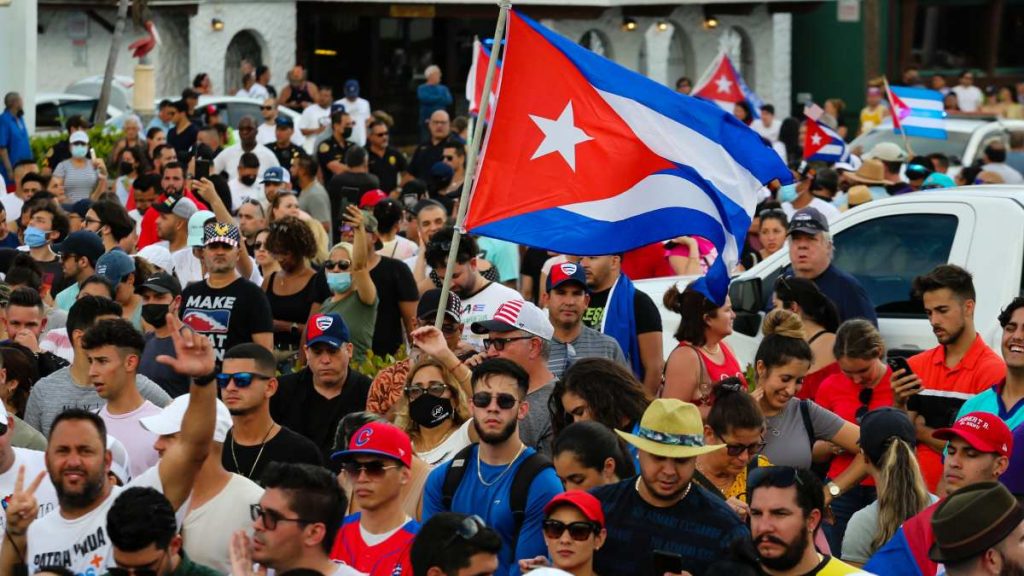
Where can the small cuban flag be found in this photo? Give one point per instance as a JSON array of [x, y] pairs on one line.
[[823, 144], [917, 112]]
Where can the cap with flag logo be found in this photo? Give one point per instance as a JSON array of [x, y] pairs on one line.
[[983, 431], [431, 301], [221, 233], [566, 272], [517, 315], [379, 439], [179, 206], [327, 328]]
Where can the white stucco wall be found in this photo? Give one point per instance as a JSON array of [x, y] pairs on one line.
[[17, 20], [273, 23]]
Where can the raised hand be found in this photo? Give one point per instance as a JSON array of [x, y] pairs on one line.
[[430, 340], [193, 353], [241, 556], [23, 507]]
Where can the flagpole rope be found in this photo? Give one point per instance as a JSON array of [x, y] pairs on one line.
[[471, 157]]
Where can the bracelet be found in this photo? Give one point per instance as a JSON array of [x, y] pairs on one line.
[[454, 368], [21, 557]]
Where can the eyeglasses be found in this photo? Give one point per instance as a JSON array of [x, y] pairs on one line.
[[242, 379], [270, 518], [865, 399], [578, 531], [150, 570], [379, 134], [467, 530], [414, 391], [444, 246], [337, 264], [266, 107], [500, 343], [776, 476], [373, 469], [505, 401], [735, 450]]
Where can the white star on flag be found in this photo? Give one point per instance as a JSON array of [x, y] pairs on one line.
[[560, 136], [724, 84], [816, 139]]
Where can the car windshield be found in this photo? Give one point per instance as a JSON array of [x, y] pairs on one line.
[[953, 146]]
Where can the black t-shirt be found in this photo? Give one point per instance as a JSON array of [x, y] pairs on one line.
[[647, 317], [427, 155], [295, 307], [228, 315], [288, 155], [183, 141], [331, 150], [531, 265], [395, 283], [286, 447], [387, 168], [60, 152], [53, 275], [298, 406]]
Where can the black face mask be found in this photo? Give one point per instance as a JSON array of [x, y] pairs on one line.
[[155, 314], [430, 411], [126, 168], [247, 180], [346, 133]]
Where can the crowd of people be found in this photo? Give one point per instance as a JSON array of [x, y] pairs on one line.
[[188, 388]]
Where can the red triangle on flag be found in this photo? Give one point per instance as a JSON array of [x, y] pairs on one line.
[[815, 138], [723, 85]]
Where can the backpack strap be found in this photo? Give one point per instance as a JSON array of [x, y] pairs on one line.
[[533, 465], [805, 414], [453, 476]]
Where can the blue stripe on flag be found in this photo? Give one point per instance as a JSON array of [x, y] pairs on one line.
[[920, 93], [743, 144], [919, 113], [936, 133]]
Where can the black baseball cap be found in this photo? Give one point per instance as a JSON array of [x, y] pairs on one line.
[[431, 301], [82, 243], [162, 283], [808, 221]]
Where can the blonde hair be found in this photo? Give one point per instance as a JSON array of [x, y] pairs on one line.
[[901, 490], [460, 404], [858, 339], [785, 323]]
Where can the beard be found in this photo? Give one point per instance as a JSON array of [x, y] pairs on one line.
[[952, 337], [89, 494], [1011, 567], [790, 558], [495, 437], [671, 497]]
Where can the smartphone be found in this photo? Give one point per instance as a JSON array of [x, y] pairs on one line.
[[667, 562], [202, 169], [898, 363], [92, 153], [350, 195]]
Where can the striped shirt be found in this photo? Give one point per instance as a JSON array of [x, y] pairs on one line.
[[589, 344], [78, 182]]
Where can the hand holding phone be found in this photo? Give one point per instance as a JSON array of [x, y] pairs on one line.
[[905, 383], [202, 169]]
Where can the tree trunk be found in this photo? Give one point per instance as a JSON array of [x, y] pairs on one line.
[[108, 75]]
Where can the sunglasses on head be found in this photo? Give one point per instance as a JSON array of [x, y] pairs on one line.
[[777, 476], [467, 530], [149, 570], [505, 401], [500, 343], [578, 531], [339, 264], [414, 391], [373, 469], [242, 379]]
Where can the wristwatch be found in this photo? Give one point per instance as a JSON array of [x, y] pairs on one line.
[[205, 380], [833, 489]]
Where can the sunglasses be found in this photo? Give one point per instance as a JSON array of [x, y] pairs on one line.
[[735, 450], [505, 401], [414, 391], [242, 379], [80, 145], [865, 399], [500, 343], [578, 531], [379, 134], [778, 476], [270, 518], [467, 530], [266, 107], [258, 245], [374, 469], [147, 571], [337, 264]]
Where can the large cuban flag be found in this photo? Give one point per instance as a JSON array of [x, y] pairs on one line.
[[917, 112], [586, 157], [723, 85]]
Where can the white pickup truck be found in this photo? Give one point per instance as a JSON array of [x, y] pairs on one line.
[[885, 244]]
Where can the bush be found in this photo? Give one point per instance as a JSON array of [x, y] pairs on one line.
[[101, 140]]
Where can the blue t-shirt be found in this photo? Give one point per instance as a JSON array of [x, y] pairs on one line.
[[491, 503], [13, 137], [844, 290], [991, 401], [700, 528]]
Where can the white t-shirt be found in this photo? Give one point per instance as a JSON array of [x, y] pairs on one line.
[[771, 133], [208, 529], [314, 116], [227, 160], [401, 248], [240, 192], [827, 210], [969, 98], [12, 204], [447, 450], [187, 267], [82, 544], [482, 306], [1009, 173], [34, 462], [360, 113], [138, 441], [266, 135]]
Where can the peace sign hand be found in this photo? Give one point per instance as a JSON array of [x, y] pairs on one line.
[[193, 353], [23, 507]]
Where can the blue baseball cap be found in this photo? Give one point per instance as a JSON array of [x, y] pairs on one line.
[[275, 175], [352, 88], [284, 121], [328, 328], [115, 266]]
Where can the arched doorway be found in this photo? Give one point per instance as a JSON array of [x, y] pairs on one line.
[[737, 44], [245, 45], [597, 42], [669, 53]]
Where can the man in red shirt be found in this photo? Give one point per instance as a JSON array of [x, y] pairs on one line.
[[377, 540], [961, 366]]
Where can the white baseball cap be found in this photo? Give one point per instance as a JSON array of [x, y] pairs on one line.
[[120, 462], [517, 315], [168, 421]]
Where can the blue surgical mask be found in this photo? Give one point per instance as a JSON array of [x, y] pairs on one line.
[[339, 282], [34, 237], [79, 151], [787, 193]]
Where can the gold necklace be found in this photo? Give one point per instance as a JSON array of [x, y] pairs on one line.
[[480, 476], [686, 492], [263, 445]]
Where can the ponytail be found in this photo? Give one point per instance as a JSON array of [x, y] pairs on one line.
[[901, 490]]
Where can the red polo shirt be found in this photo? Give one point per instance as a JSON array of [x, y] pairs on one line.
[[977, 371], [841, 396]]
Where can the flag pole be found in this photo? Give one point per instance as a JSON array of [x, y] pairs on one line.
[[903, 131], [471, 157]]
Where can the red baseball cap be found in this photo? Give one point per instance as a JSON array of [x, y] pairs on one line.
[[983, 431], [583, 501], [379, 439], [371, 198]]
